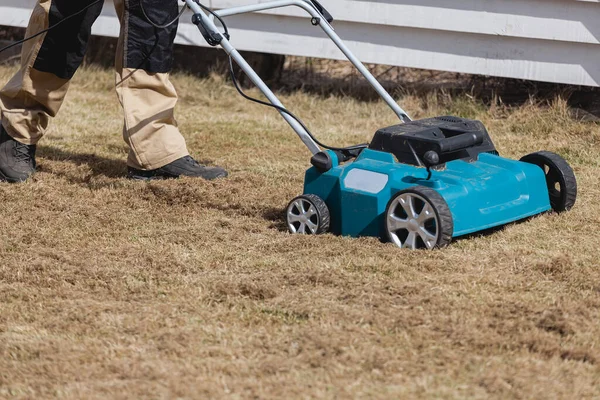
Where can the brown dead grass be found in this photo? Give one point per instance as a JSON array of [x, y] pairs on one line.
[[191, 289]]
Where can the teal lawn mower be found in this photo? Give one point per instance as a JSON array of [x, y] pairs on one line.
[[418, 184], [423, 183]]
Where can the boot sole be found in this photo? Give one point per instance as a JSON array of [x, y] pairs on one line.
[[152, 177], [4, 178], [162, 178]]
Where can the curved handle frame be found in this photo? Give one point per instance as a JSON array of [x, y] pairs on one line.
[[317, 19]]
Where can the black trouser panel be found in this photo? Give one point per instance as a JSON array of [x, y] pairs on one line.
[[64, 46], [150, 48]]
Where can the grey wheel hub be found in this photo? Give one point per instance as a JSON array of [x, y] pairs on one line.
[[302, 217], [412, 222]]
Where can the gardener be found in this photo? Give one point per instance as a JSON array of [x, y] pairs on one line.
[[144, 58]]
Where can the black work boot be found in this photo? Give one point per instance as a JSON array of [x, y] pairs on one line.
[[17, 160], [184, 166]]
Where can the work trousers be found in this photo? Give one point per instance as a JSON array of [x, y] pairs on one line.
[[143, 60]]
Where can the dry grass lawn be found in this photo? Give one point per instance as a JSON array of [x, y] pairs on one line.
[[191, 289]]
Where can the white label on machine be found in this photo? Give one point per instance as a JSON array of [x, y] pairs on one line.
[[366, 181]]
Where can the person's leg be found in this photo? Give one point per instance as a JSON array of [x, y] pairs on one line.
[[144, 60], [37, 90]]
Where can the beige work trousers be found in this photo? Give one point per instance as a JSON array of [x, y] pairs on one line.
[[32, 97]]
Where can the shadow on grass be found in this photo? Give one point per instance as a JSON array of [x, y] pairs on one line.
[[277, 218], [115, 169], [493, 230], [99, 166]]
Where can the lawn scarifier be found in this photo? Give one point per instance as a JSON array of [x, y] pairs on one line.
[[418, 184]]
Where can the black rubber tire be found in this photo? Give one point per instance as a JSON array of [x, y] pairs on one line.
[[558, 172], [323, 216], [440, 207]]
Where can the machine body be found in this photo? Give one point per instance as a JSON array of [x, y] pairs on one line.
[[418, 184]]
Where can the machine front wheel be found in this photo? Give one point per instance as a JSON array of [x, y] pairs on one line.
[[308, 215], [419, 218], [560, 178]]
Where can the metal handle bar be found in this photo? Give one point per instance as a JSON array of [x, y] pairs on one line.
[[327, 28]]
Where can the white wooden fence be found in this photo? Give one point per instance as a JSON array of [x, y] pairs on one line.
[[544, 40]]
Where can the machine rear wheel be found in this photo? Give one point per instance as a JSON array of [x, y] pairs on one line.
[[419, 218], [308, 215], [560, 178]]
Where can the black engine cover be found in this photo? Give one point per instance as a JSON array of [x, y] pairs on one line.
[[451, 137]]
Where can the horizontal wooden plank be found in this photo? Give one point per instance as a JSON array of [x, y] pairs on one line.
[[565, 51], [570, 21], [498, 56]]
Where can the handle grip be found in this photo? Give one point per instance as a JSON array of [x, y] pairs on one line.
[[461, 141], [322, 11]]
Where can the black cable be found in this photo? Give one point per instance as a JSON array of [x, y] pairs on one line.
[[51, 27], [156, 26], [264, 103], [283, 110], [161, 26]]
